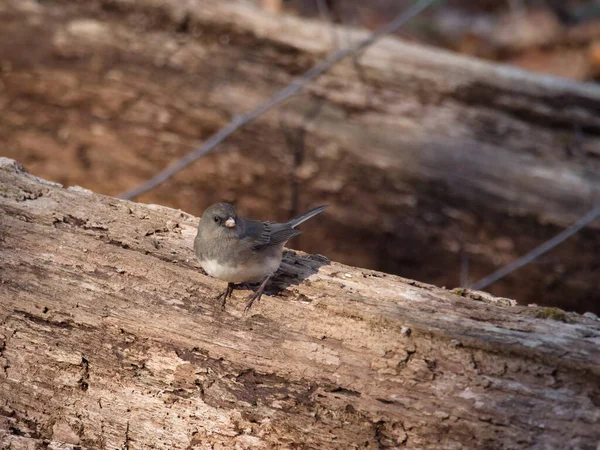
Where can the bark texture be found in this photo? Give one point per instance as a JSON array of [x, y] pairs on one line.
[[425, 156], [111, 338]]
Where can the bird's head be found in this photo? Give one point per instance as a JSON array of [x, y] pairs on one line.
[[219, 218]]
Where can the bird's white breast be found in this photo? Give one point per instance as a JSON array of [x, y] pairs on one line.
[[248, 272]]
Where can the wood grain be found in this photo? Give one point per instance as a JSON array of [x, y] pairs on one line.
[[111, 338]]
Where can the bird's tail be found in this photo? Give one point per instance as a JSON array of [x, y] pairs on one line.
[[304, 217]]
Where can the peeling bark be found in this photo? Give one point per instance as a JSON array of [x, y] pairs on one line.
[[111, 338]]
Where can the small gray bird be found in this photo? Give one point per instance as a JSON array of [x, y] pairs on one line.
[[239, 250]]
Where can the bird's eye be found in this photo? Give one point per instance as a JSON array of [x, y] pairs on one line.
[[216, 219]]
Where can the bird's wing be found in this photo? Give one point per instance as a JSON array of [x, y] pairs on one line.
[[267, 234]]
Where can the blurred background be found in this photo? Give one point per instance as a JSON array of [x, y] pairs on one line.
[[559, 37], [436, 167]]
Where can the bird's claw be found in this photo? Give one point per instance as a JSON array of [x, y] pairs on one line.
[[225, 295], [255, 296]]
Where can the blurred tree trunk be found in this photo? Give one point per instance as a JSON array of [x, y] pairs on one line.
[[427, 158], [111, 337]]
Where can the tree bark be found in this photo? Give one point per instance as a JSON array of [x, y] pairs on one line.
[[438, 156], [111, 338]]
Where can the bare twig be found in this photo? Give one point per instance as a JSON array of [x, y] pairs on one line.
[[278, 98], [325, 13], [296, 141], [538, 251]]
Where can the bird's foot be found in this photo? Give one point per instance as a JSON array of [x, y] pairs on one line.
[[256, 295], [225, 295]]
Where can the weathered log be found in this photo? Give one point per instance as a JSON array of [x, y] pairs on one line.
[[111, 338], [424, 156]]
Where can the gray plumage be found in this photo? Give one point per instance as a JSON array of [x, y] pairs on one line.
[[239, 250]]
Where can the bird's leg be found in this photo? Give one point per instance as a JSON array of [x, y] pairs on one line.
[[226, 294], [258, 294]]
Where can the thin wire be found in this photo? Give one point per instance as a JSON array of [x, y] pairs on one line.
[[278, 98], [538, 251]]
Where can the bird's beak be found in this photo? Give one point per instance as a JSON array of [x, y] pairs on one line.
[[230, 223]]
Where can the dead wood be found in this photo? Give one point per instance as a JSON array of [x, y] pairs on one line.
[[111, 338]]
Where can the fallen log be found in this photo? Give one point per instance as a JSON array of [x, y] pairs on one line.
[[437, 156], [111, 338]]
